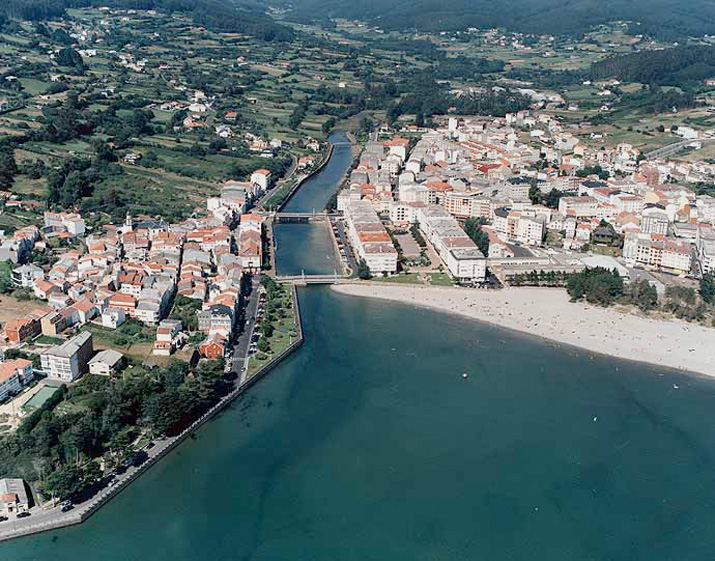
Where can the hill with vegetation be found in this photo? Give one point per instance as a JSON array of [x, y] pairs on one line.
[[667, 67], [660, 18], [216, 15]]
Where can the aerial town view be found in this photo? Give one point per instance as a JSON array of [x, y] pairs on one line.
[[353, 280]]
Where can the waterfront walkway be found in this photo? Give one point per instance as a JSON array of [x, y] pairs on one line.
[[54, 518]]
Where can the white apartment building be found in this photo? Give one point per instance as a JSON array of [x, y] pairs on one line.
[[68, 361], [14, 375], [369, 238], [656, 252], [706, 208], [262, 178], [249, 241], [654, 220], [530, 229], [580, 207], [626, 202], [467, 205], [457, 250]]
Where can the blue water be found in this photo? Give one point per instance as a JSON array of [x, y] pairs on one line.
[[305, 249], [308, 248], [315, 192], [367, 444]]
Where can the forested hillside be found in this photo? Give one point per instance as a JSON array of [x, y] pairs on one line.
[[668, 67], [217, 15], [660, 18]]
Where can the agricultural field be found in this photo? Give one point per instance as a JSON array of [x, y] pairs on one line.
[[123, 94]]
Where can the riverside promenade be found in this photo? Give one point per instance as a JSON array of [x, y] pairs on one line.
[[54, 518]]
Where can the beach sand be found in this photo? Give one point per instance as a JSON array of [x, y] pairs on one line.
[[548, 313]]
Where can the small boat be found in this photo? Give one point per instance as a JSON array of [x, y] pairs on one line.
[[465, 375]]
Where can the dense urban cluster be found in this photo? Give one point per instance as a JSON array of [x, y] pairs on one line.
[[548, 204]]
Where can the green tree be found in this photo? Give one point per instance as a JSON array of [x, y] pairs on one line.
[[473, 228], [363, 270], [165, 411], [65, 482], [68, 57], [707, 288], [6, 285], [643, 295], [8, 166], [597, 285], [263, 345]]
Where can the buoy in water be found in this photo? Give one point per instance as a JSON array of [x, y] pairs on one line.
[[465, 375]]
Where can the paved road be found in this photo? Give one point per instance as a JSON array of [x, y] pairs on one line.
[[343, 236], [258, 204], [674, 148], [53, 517], [239, 361]]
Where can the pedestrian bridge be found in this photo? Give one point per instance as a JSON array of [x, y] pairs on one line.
[[312, 279], [303, 216]]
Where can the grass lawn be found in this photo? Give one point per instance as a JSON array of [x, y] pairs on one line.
[[284, 334], [134, 341], [26, 186], [34, 87], [47, 340], [11, 308], [402, 278], [441, 279]]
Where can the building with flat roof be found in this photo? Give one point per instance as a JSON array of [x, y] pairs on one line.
[[463, 259], [369, 237]]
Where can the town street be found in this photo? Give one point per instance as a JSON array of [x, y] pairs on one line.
[[239, 360]]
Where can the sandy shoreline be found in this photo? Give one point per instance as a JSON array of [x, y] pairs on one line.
[[548, 313]]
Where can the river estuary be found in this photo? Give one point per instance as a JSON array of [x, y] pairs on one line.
[[367, 444]]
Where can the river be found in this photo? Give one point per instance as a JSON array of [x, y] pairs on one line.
[[308, 248], [316, 191], [368, 444]]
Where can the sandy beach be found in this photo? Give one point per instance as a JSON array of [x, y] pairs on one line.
[[548, 313]]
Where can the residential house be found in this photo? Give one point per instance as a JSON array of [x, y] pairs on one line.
[[168, 337], [14, 498], [106, 362], [214, 346], [113, 317], [26, 275], [22, 328], [216, 318]]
